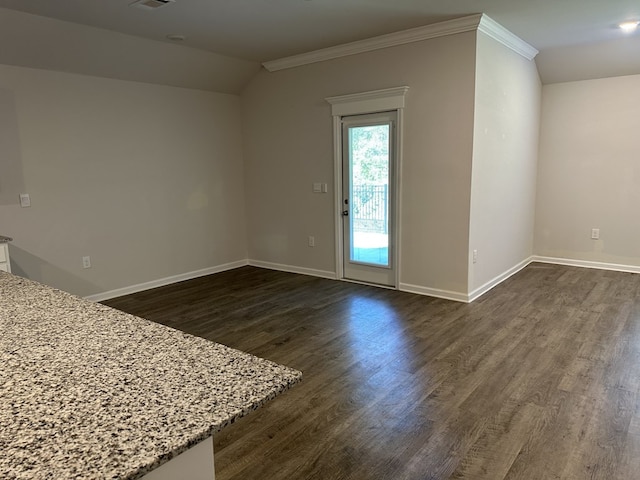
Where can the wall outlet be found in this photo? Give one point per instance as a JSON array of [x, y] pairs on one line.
[[25, 200], [312, 241], [86, 262], [595, 233], [475, 256]]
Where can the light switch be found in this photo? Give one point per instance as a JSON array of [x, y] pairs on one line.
[[25, 200], [325, 188], [317, 187]]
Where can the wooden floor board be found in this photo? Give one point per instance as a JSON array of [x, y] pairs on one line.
[[537, 379]]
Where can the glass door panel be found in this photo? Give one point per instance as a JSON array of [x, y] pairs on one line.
[[369, 177], [368, 196]]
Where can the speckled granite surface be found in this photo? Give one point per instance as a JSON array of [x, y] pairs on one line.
[[88, 392]]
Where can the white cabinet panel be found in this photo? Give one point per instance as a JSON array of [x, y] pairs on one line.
[[5, 264]]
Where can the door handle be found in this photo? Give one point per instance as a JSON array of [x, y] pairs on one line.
[[345, 213]]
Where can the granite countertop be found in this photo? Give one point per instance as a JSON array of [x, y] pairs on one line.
[[90, 392], [4, 239]]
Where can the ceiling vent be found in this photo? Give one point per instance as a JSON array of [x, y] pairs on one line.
[[150, 4]]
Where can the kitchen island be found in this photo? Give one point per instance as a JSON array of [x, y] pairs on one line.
[[89, 392], [5, 263]]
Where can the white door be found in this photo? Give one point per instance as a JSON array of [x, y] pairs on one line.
[[368, 198]]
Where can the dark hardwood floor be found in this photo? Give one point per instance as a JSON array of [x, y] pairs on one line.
[[537, 379]]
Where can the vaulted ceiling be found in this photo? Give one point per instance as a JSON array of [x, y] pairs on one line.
[[577, 39]]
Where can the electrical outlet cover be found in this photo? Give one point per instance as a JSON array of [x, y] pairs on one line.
[[25, 200]]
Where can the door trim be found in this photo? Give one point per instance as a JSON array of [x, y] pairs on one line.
[[390, 99], [353, 268]]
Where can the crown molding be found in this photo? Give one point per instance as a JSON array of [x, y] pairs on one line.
[[496, 31], [479, 22], [449, 27]]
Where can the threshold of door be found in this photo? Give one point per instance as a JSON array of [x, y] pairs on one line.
[[379, 285]]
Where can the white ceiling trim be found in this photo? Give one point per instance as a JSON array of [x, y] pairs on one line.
[[450, 27], [499, 33], [480, 22]]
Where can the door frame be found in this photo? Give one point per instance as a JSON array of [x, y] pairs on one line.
[[390, 99], [354, 270]]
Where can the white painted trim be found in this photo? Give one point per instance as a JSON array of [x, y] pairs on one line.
[[479, 22], [398, 196], [293, 269], [496, 31], [337, 189], [497, 280], [404, 287], [434, 292], [119, 292], [441, 29], [387, 99], [463, 297], [374, 101], [616, 267]]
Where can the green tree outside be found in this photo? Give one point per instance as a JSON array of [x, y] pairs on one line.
[[370, 155]]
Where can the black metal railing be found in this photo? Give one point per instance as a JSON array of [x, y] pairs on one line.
[[370, 208]]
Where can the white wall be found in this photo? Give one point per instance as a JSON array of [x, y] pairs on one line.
[[288, 146], [588, 171], [149, 180], [146, 179], [507, 116]]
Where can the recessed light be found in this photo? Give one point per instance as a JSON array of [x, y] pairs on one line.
[[176, 38], [629, 26]]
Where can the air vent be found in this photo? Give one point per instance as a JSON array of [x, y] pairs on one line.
[[150, 4]]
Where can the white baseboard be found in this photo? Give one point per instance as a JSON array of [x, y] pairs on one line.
[[405, 287], [464, 297], [499, 279], [434, 292], [99, 297], [616, 267], [292, 269]]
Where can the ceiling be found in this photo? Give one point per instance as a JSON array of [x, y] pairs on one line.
[[576, 38]]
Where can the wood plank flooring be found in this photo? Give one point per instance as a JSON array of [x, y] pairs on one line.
[[537, 379]]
